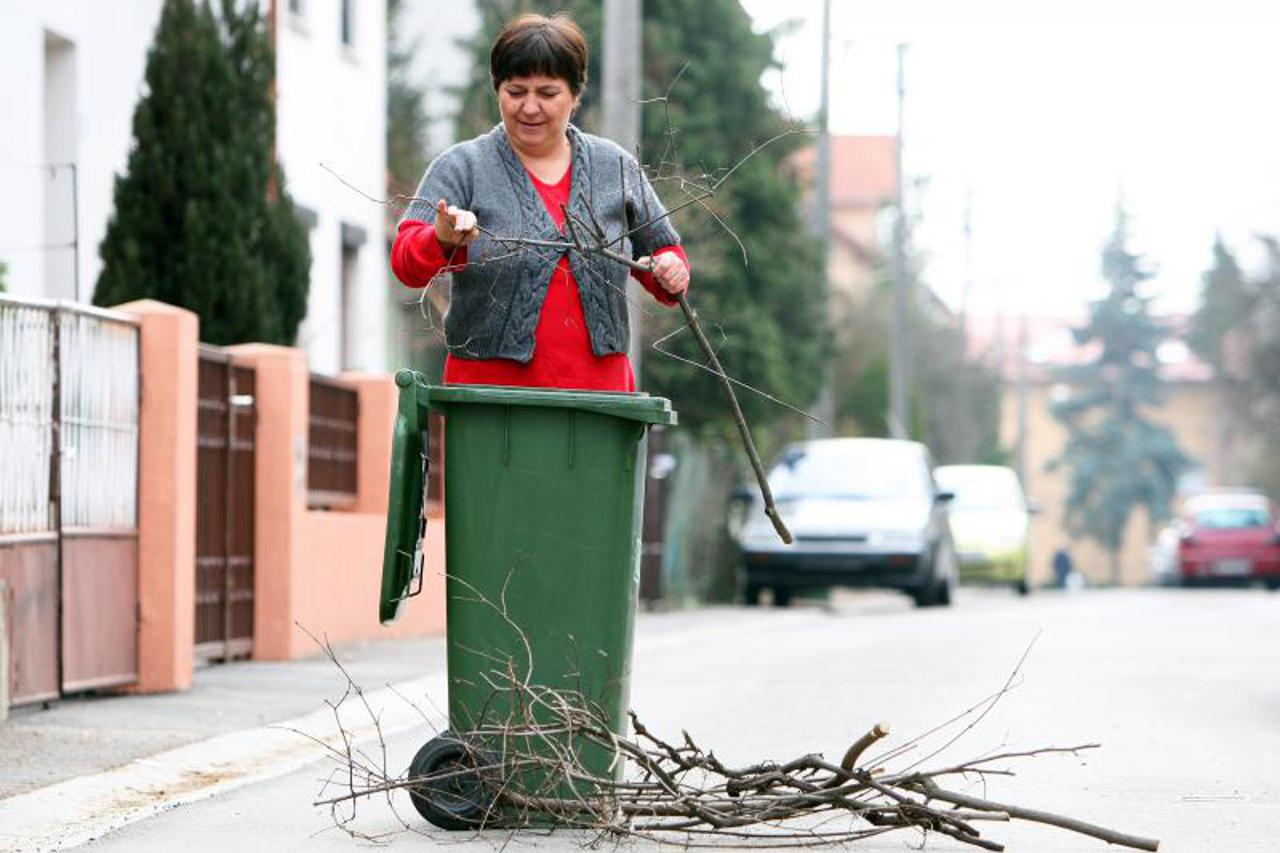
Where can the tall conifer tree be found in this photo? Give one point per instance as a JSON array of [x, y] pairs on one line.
[[202, 218], [1226, 301], [1118, 459], [1237, 330]]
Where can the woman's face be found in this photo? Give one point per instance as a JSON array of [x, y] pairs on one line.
[[536, 111]]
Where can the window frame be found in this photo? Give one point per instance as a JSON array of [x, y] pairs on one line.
[[347, 24]]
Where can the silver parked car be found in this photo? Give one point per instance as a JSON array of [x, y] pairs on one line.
[[865, 512]]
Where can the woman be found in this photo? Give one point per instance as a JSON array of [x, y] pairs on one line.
[[526, 314]]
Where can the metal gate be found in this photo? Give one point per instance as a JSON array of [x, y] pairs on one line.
[[225, 476], [68, 496], [98, 500]]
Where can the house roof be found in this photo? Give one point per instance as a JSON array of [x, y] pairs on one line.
[[1050, 344], [863, 169]]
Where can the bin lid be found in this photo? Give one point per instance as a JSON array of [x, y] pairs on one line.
[[636, 407]]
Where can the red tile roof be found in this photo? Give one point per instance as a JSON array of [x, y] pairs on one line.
[[1050, 344]]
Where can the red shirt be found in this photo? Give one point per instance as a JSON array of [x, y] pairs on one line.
[[562, 356]]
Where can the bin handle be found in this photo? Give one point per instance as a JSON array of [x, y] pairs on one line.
[[417, 557]]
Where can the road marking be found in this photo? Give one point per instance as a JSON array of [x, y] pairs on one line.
[[80, 810]]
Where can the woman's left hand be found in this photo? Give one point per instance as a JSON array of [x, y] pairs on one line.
[[669, 272]]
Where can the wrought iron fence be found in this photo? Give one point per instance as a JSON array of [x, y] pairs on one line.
[[98, 416], [70, 371]]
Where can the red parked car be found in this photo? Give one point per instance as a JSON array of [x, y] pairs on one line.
[[1229, 537]]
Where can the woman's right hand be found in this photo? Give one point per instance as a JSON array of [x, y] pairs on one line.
[[454, 226]]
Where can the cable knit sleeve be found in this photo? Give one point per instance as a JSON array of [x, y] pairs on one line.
[[449, 177], [647, 218], [416, 255]]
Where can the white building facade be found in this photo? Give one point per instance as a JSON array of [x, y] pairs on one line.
[[440, 63], [72, 73]]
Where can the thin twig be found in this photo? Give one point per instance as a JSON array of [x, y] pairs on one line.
[[932, 790], [770, 509]]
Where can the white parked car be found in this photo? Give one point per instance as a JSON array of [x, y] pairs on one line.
[[865, 512], [991, 523]]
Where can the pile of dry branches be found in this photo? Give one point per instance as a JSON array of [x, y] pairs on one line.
[[543, 757]]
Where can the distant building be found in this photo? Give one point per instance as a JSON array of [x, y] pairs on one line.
[[73, 73], [863, 186], [1193, 410]]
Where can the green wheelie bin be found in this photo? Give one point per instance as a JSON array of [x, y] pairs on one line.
[[543, 501]]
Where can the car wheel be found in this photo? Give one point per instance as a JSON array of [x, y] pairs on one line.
[[923, 596], [1021, 588], [942, 597], [931, 593], [936, 591], [751, 594], [781, 596], [1273, 584]]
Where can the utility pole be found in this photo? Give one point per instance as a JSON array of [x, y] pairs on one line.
[[826, 404], [1022, 399], [968, 272], [899, 333], [620, 117]]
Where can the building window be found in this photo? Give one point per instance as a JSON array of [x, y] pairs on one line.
[[350, 356], [348, 23], [297, 16]]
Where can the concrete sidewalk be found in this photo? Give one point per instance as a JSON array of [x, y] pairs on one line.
[[83, 769], [86, 768], [79, 737]]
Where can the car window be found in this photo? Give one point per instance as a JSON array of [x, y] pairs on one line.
[[980, 489], [1231, 518], [885, 473]]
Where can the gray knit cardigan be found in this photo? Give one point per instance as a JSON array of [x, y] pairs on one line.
[[497, 297]]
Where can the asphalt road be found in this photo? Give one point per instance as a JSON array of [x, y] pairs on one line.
[[1181, 688]]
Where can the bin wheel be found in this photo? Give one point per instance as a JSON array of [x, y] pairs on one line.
[[461, 798]]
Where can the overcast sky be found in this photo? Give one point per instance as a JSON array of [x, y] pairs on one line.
[[1043, 117]]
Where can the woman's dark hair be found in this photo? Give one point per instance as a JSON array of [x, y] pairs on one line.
[[535, 44]]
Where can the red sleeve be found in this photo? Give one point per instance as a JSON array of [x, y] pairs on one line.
[[417, 256], [646, 278]]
